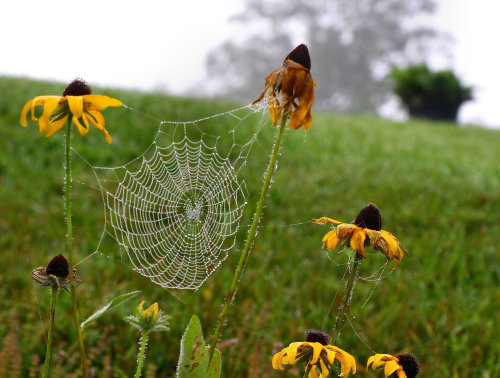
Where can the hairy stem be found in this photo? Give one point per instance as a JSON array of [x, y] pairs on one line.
[[344, 308], [48, 353], [69, 246], [142, 353], [251, 235]]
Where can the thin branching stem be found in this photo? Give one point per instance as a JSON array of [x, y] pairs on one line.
[[250, 238], [344, 308], [69, 246], [48, 353]]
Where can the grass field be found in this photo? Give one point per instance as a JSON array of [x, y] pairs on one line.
[[438, 188]]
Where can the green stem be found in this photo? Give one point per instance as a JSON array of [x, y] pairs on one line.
[[344, 308], [48, 353], [140, 361], [251, 235], [69, 245]]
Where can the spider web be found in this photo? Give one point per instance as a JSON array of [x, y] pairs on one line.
[[175, 209]]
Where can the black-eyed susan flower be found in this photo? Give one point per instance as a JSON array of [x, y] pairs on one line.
[[404, 365], [293, 81], [151, 319], [366, 230], [318, 356], [78, 102]]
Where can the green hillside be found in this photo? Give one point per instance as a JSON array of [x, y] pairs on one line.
[[437, 186]]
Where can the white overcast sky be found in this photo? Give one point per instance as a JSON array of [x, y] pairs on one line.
[[162, 44]]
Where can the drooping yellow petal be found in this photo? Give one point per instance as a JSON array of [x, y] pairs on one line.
[[347, 361], [278, 359], [292, 351], [24, 113], [380, 359], [370, 361], [50, 105], [81, 129], [390, 367], [98, 120], [358, 241], [75, 104], [36, 101], [99, 102], [346, 229], [317, 349], [312, 372], [54, 127], [332, 241], [323, 369]]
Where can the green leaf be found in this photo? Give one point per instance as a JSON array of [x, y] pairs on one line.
[[193, 359], [114, 302]]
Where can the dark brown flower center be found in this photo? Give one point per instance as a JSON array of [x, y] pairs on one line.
[[58, 266], [410, 364], [300, 55], [317, 336], [369, 217], [77, 87]]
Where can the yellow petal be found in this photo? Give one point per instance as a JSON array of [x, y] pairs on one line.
[[325, 220], [390, 367], [380, 359], [99, 102], [98, 120], [312, 372], [140, 306], [358, 241], [24, 113], [401, 373], [370, 361], [81, 129], [278, 359], [332, 241], [75, 104], [328, 235], [54, 127], [317, 349], [345, 229], [50, 105], [292, 352], [37, 101]]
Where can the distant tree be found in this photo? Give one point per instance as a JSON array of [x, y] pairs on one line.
[[432, 95], [353, 44]]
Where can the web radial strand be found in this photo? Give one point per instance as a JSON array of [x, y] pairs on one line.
[[177, 214]]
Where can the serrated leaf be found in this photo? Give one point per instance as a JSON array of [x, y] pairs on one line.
[[114, 303], [193, 359]]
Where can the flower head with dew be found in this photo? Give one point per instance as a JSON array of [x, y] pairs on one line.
[[317, 355], [404, 365], [151, 319], [78, 102], [366, 230], [291, 89]]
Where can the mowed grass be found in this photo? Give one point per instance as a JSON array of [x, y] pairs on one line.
[[438, 188]]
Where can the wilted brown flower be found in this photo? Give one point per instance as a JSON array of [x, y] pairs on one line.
[[291, 89]]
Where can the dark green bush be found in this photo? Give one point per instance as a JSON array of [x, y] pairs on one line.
[[432, 95]]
